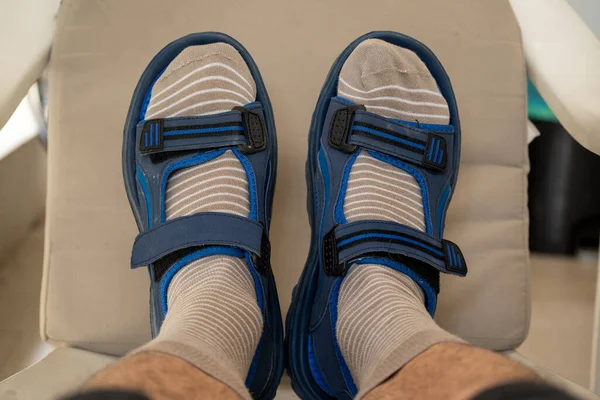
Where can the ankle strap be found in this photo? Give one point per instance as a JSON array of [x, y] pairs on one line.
[[202, 229], [348, 242]]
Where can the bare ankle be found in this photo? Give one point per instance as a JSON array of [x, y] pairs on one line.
[[451, 371], [160, 376]]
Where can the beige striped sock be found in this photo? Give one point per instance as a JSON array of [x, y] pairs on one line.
[[213, 319], [393, 82], [382, 321], [202, 80]]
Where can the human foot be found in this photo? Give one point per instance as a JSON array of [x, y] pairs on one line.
[[201, 195], [383, 164]]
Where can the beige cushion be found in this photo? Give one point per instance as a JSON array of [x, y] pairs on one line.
[[58, 373], [21, 206], [25, 38], [92, 300]]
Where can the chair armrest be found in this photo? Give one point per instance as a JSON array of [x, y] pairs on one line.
[[563, 56], [61, 371], [26, 34]]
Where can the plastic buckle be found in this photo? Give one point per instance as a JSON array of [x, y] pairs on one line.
[[331, 263], [454, 259], [152, 138], [262, 263], [436, 153], [339, 129], [254, 130]]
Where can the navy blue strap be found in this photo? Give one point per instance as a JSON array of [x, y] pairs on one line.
[[353, 126], [202, 229], [354, 240], [241, 127]]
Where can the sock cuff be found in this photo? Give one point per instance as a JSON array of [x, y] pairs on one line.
[[411, 348], [204, 362]]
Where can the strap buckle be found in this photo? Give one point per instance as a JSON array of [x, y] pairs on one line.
[[436, 153], [262, 263], [254, 130], [454, 259], [331, 263], [339, 129], [152, 138]]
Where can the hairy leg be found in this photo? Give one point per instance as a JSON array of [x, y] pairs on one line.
[[451, 371], [160, 376]]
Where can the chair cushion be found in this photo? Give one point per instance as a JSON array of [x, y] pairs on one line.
[[30, 25], [61, 371], [90, 297]]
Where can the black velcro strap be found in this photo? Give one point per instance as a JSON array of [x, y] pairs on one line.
[[262, 261], [255, 131], [352, 127], [331, 262], [152, 138], [436, 152], [339, 129], [355, 240], [242, 127], [455, 261]]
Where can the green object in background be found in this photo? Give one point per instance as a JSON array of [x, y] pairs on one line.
[[537, 109]]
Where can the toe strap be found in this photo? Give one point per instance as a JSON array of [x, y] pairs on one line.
[[352, 241], [352, 126], [242, 127], [202, 229]]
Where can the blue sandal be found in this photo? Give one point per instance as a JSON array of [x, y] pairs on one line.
[[153, 149], [431, 155]]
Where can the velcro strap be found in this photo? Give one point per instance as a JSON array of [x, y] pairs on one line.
[[202, 229], [355, 240], [353, 126], [241, 127]]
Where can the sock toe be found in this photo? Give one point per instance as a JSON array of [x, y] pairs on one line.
[[392, 81], [202, 80]]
